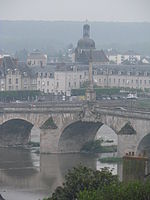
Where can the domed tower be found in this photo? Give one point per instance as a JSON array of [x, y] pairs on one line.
[[84, 44]]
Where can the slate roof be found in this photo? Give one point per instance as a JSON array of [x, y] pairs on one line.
[[9, 63], [123, 69], [97, 56]]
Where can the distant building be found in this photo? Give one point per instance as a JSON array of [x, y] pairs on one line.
[[85, 45], [127, 76], [145, 60], [129, 57], [15, 76], [37, 58], [60, 79]]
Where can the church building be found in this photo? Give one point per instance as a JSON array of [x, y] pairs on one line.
[[86, 47]]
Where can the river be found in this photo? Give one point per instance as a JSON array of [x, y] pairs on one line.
[[26, 175]]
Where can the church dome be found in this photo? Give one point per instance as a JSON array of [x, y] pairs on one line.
[[86, 43]]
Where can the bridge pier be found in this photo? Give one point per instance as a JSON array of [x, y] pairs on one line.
[[49, 140], [126, 144]]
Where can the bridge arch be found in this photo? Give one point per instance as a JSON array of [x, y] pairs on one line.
[[36, 119], [143, 146], [76, 134], [15, 132]]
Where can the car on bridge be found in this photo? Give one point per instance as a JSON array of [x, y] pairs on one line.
[[132, 96], [120, 108]]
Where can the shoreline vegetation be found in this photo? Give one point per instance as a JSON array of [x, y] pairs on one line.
[[110, 160], [95, 146]]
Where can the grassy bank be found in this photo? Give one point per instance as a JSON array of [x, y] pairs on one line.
[[110, 160]]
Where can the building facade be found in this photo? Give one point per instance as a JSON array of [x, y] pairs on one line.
[[15, 76], [36, 58], [120, 58], [137, 77]]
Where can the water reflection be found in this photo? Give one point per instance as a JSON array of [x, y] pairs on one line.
[[33, 176]]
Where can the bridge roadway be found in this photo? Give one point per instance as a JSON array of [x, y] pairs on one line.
[[104, 107]]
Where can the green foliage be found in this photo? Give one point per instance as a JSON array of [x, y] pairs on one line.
[[119, 191], [78, 92], [109, 149], [110, 160], [19, 95], [95, 146], [109, 141], [34, 144], [98, 90], [82, 178]]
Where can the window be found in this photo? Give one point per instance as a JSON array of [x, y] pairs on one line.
[[69, 84], [57, 84], [145, 82], [109, 80], [132, 81], [80, 76], [114, 80], [51, 75], [48, 83], [9, 80], [74, 84], [47, 90], [16, 80], [99, 80], [140, 81], [118, 80]]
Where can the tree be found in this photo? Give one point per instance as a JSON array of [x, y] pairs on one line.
[[121, 191], [82, 178]]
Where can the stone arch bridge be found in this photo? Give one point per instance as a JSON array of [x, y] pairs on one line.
[[66, 127]]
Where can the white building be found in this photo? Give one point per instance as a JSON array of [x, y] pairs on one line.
[[37, 58], [118, 58]]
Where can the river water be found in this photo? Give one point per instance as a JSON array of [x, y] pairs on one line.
[[25, 175]]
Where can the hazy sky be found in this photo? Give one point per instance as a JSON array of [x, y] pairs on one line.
[[93, 10]]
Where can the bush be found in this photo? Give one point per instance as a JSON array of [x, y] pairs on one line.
[[120, 191]]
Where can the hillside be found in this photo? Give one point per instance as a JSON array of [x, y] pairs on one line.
[[49, 36]]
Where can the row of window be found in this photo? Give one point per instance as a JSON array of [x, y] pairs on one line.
[[10, 81], [124, 81], [57, 84]]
